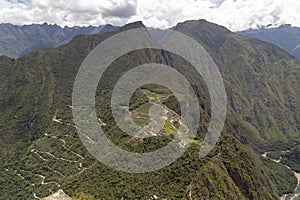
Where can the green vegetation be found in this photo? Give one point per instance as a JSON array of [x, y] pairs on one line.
[[291, 158], [24, 39], [39, 141], [276, 155], [82, 196], [281, 177], [261, 85], [170, 129], [284, 36]]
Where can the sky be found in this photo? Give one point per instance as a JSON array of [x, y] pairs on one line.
[[235, 15]]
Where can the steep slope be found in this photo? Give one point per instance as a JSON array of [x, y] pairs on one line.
[[41, 151], [262, 84], [16, 41], [285, 36]]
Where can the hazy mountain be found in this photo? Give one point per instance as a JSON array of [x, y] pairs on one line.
[[40, 151], [16, 41], [285, 36]]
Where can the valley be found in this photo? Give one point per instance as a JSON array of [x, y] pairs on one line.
[[297, 175], [42, 152]]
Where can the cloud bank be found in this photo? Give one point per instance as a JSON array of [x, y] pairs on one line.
[[233, 14]]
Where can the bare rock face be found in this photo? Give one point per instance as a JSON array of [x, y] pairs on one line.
[[60, 195]]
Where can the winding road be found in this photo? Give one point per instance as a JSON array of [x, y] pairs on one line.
[[296, 193]]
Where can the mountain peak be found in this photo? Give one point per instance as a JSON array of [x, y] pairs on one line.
[[210, 34], [201, 23], [109, 28], [133, 25]]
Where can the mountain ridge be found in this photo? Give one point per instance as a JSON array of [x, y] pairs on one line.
[[16, 41], [285, 36], [38, 123]]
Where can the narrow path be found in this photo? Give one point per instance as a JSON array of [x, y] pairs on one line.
[[66, 148], [54, 118], [35, 196], [47, 183]]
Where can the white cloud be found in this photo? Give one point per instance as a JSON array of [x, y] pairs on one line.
[[233, 14], [242, 14]]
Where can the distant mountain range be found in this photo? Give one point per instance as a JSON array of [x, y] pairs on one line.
[[16, 41], [40, 149], [284, 36]]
